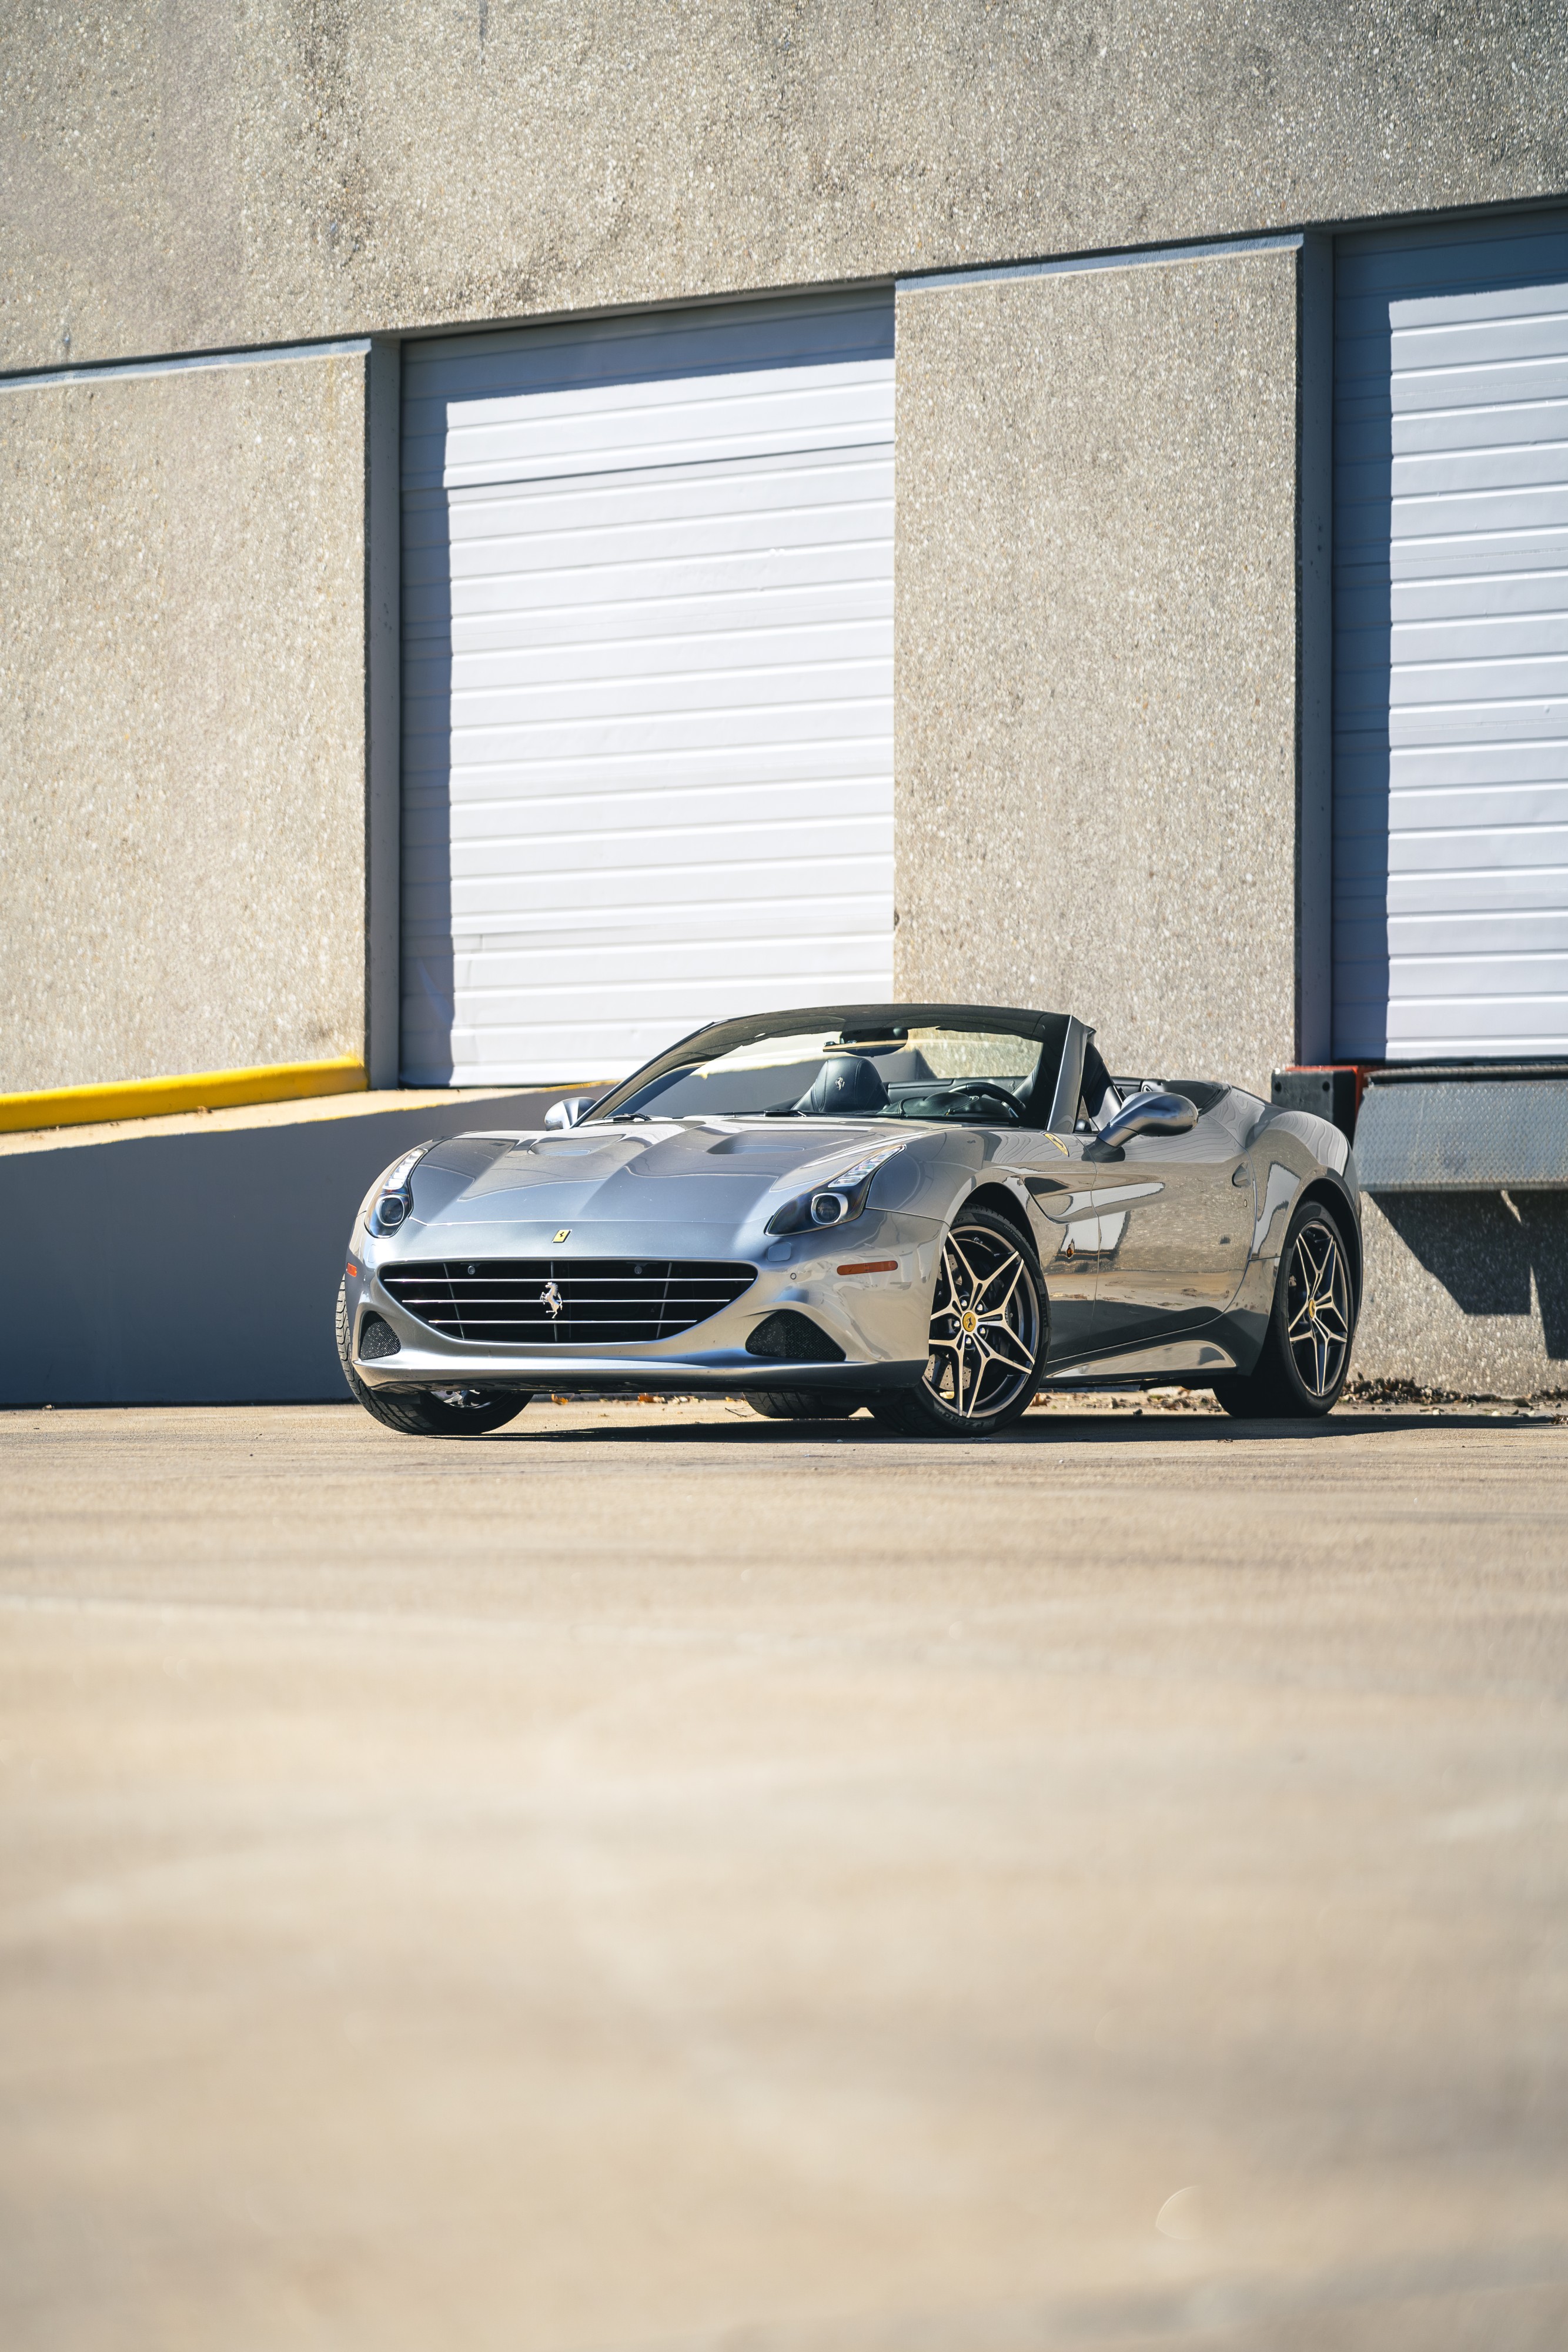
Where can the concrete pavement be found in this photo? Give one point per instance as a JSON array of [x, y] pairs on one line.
[[655, 1881]]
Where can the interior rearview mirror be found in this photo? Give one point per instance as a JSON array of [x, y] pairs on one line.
[[1149, 1114]]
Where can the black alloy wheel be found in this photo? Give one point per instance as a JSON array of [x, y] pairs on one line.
[[989, 1323], [455, 1411], [1305, 1357]]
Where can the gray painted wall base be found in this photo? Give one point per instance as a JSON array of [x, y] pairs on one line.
[[196, 1268], [1467, 1291]]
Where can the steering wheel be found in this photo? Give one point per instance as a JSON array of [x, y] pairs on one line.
[[1009, 1102], [966, 1089]]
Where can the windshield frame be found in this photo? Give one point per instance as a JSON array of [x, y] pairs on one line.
[[1053, 1033]]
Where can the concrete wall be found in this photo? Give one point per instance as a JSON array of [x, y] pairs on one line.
[[178, 175], [1467, 1291], [183, 722], [1105, 779], [1096, 624]]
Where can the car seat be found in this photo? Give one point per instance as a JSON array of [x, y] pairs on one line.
[[847, 1087]]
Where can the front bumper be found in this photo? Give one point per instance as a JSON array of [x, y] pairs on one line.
[[879, 1322], [563, 1374]]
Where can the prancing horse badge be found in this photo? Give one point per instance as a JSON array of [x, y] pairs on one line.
[[564, 1234]]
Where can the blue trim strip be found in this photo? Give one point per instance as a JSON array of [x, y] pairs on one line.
[[1133, 258], [94, 372]]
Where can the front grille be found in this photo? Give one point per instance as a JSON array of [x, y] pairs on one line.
[[597, 1302]]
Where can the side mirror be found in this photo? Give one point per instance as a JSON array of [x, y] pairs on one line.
[[1149, 1114], [568, 1110]]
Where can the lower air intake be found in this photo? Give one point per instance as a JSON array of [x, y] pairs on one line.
[[377, 1338], [584, 1303], [793, 1338]]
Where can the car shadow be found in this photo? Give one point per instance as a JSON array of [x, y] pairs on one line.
[[1041, 1430]]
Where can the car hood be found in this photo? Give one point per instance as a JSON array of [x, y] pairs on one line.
[[709, 1172]]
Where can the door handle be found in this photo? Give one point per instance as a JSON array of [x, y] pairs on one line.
[[1242, 1175]]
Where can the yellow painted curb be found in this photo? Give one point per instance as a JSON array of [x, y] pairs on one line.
[[156, 1098]]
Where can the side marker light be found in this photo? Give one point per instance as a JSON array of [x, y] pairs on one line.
[[872, 1266], [353, 1269]]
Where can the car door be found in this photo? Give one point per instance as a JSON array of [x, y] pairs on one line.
[[1173, 1215]]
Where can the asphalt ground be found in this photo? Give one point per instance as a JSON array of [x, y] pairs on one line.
[[659, 1881]]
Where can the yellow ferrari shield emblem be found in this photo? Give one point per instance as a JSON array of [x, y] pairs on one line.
[[564, 1234]]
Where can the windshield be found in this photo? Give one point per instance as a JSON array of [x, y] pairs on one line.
[[949, 1073]]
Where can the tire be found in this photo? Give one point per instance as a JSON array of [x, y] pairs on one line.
[[990, 1322], [799, 1404], [1305, 1357], [419, 1412]]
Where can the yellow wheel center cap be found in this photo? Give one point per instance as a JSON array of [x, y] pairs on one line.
[[969, 1320]]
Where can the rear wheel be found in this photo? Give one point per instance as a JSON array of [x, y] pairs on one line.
[[1306, 1359], [989, 1323], [455, 1411], [799, 1404]]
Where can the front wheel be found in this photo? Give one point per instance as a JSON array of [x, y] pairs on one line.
[[989, 1323], [453, 1411], [1305, 1357]]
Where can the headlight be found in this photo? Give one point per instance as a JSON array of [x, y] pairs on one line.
[[844, 1196], [389, 1200]]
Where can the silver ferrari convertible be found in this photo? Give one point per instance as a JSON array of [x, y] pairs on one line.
[[932, 1211]]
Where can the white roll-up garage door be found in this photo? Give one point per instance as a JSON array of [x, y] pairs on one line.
[[1452, 642], [647, 681]]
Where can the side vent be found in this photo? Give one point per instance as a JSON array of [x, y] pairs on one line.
[[793, 1338], [377, 1338]]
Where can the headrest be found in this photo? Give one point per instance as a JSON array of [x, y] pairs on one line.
[[843, 1087]]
